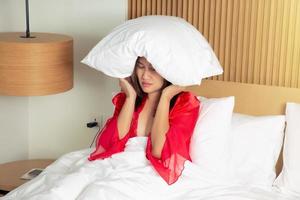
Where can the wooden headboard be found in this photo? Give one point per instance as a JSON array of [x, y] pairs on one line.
[[250, 99]]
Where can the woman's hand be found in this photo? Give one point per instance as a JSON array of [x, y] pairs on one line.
[[172, 90], [127, 88]]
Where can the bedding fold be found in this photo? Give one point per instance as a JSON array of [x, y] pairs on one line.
[[128, 175]]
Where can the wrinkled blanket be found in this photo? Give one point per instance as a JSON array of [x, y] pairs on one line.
[[128, 175]]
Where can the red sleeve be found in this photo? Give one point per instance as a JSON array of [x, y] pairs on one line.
[[108, 141], [175, 152]]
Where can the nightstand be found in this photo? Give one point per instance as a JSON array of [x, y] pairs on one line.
[[11, 172]]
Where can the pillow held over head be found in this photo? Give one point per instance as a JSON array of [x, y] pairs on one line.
[[175, 48]]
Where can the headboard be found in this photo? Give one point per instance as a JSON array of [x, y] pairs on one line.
[[250, 98]]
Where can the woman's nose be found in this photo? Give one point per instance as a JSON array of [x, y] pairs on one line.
[[146, 74]]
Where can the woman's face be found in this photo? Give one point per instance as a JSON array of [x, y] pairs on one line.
[[149, 80]]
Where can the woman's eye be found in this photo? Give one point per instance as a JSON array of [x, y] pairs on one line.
[[152, 69], [140, 66]]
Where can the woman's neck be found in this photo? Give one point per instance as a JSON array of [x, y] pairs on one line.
[[152, 101], [154, 97]]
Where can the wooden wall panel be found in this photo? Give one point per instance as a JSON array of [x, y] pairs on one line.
[[256, 41]]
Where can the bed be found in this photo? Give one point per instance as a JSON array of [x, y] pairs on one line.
[[128, 175]]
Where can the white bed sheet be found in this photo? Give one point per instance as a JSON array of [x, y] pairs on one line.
[[128, 175]]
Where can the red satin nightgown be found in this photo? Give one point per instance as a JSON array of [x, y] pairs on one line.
[[182, 120]]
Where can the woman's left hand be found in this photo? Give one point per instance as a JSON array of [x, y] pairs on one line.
[[170, 91]]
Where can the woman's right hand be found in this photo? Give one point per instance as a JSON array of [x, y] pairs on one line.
[[127, 88]]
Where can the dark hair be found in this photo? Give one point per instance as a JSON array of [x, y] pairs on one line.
[[139, 91]]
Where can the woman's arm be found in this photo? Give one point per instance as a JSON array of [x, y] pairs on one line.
[[161, 121], [160, 125], [125, 116], [110, 141], [168, 158], [126, 113]]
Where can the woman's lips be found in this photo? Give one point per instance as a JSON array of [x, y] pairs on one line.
[[146, 84]]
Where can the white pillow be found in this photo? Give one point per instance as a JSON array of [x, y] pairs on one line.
[[209, 142], [289, 178], [255, 145], [175, 48]]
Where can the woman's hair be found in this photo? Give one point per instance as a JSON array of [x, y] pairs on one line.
[[139, 91]]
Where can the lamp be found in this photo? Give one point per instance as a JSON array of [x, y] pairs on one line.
[[38, 64]]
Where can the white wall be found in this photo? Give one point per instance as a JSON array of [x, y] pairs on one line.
[[56, 123], [13, 128]]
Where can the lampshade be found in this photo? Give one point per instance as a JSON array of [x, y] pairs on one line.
[[40, 65]]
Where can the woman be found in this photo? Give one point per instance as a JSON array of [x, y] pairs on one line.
[[150, 106]]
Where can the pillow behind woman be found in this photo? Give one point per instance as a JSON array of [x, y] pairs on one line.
[[289, 179]]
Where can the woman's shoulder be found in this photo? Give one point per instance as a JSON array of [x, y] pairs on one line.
[[186, 100], [187, 97], [119, 98]]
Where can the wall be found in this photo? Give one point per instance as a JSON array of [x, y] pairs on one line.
[[13, 128], [256, 41], [13, 110], [57, 123]]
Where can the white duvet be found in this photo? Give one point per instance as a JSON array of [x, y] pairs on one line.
[[128, 175]]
